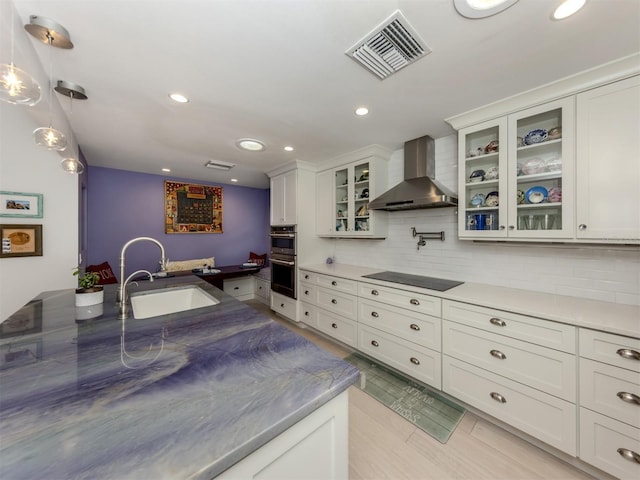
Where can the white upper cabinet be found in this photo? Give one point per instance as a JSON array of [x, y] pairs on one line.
[[284, 198], [516, 175], [608, 163], [344, 193]]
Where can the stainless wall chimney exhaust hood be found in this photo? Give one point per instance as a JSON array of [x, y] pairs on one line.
[[419, 188]]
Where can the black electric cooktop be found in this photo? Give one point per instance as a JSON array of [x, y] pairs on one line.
[[439, 284]]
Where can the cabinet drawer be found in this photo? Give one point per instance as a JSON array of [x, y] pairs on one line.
[[529, 329], [338, 327], [337, 284], [538, 367], [609, 348], [604, 389], [308, 277], [339, 303], [416, 302], [418, 362], [309, 314], [308, 292], [600, 439], [284, 305], [414, 327], [538, 414], [237, 287]]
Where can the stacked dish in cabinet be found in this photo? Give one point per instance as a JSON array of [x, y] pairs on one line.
[[610, 402]]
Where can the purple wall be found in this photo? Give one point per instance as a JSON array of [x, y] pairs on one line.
[[123, 205]]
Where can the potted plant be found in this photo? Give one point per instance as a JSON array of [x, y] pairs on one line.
[[88, 293]]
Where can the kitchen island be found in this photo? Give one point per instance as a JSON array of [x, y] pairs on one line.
[[185, 395]]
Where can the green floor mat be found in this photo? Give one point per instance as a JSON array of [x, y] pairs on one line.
[[420, 405]]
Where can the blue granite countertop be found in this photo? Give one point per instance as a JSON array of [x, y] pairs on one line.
[[184, 395]]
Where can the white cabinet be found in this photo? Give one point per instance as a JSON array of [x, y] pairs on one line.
[[507, 367], [608, 162], [242, 288], [516, 175], [262, 289], [285, 306], [284, 198], [610, 402], [344, 193]]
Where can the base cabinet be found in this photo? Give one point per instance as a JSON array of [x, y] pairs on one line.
[[285, 306], [315, 448], [263, 290]]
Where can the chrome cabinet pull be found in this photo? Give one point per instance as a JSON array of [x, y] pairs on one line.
[[333, 325], [282, 305], [334, 301], [415, 327], [582, 227], [306, 313], [413, 301], [502, 227], [629, 397], [375, 292], [306, 277], [512, 227], [415, 361], [306, 292], [628, 353], [334, 283], [498, 354], [374, 314], [498, 398], [374, 343], [629, 455], [498, 322]]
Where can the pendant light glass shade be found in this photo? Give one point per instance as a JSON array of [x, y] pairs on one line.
[[17, 86], [50, 138], [72, 166]]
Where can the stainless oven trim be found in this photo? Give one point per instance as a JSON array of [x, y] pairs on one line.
[[283, 262]]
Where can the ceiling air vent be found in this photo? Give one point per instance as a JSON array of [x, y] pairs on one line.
[[392, 45]]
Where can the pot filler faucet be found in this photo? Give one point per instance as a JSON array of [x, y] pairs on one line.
[[122, 289]]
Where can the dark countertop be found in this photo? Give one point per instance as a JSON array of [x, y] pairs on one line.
[[174, 396]]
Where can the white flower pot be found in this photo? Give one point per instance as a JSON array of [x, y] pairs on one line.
[[89, 296]]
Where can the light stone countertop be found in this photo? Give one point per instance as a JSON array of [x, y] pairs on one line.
[[580, 312]]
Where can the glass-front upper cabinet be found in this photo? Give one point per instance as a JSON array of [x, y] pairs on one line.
[[352, 198], [515, 172]]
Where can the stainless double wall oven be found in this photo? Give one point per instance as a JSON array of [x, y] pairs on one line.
[[283, 260]]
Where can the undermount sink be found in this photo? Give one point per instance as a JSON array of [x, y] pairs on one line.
[[170, 300]]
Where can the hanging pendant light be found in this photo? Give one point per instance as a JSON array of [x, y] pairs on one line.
[[16, 85], [72, 166], [53, 34]]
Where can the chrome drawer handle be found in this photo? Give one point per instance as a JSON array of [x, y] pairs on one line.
[[629, 455], [375, 292], [374, 343], [498, 398], [333, 325], [498, 354], [628, 353], [629, 397], [415, 361], [374, 314], [334, 283], [413, 301], [498, 322], [415, 327], [582, 227], [334, 301]]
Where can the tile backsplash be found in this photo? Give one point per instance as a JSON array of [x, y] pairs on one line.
[[607, 272]]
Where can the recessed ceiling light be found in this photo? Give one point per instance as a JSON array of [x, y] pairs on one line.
[[178, 97], [361, 111], [481, 8], [288, 148], [234, 180], [166, 169], [250, 144], [568, 8]]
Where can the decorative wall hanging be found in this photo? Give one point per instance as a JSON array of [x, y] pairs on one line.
[[21, 240], [24, 205], [191, 208]]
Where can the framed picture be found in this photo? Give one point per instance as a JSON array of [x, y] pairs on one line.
[[21, 240], [24, 205], [191, 208]]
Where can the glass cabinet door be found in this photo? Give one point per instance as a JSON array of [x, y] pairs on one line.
[[541, 170], [483, 181], [342, 200], [361, 197]]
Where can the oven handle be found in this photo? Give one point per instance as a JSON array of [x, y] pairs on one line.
[[283, 262], [282, 235]]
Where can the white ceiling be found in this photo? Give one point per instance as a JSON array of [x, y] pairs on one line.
[[275, 70]]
